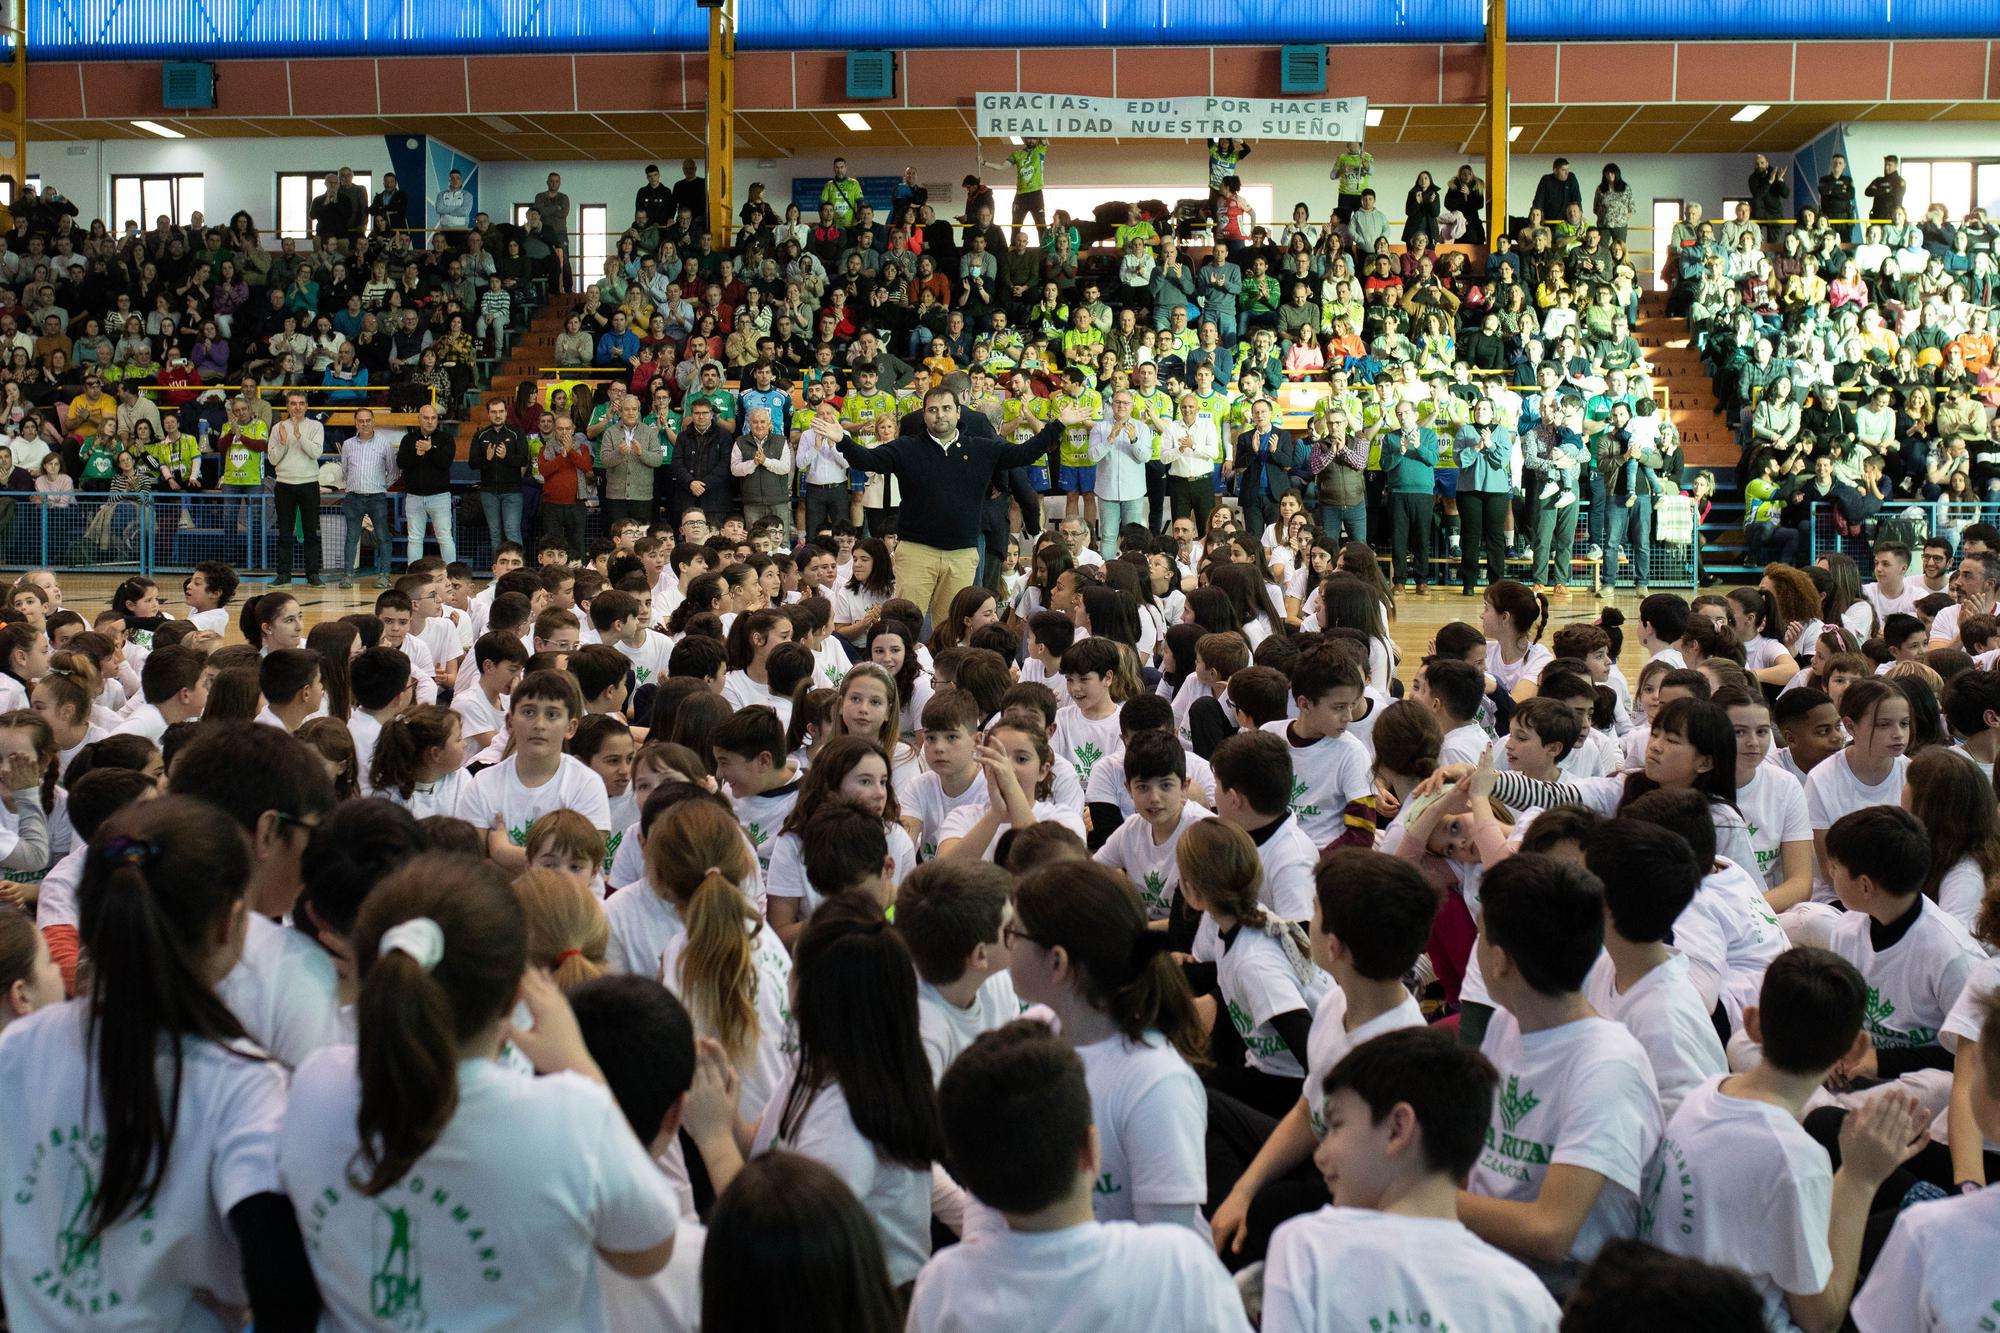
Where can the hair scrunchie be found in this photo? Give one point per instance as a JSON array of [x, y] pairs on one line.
[[419, 937]]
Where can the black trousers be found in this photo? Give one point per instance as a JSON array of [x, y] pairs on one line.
[[298, 506], [566, 522], [1482, 518], [1410, 520]]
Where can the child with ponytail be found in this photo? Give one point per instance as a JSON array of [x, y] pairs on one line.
[[726, 965], [142, 1127], [419, 761], [1267, 984], [438, 1180], [567, 933], [24, 659], [1080, 945]]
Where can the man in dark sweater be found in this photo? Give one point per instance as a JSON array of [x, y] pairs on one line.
[[500, 452], [424, 459], [946, 475]]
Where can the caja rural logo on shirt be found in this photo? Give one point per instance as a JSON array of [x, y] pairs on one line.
[[1298, 803], [1507, 1153], [1155, 893], [1670, 1161], [1877, 1013], [1246, 1027], [76, 1280]]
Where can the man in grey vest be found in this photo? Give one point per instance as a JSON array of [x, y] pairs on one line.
[[762, 466]]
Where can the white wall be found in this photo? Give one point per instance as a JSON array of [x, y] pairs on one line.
[[239, 173]]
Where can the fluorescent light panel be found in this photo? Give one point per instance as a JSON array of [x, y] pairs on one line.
[[154, 127], [1017, 141], [854, 120], [1374, 116], [1513, 134], [1751, 112]]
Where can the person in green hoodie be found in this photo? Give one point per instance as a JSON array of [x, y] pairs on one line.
[[1409, 472]]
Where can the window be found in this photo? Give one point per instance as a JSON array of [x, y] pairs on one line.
[[7, 189], [143, 199], [1960, 185], [297, 190], [1666, 213]]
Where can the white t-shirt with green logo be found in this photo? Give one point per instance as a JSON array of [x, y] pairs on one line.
[[1152, 1120], [947, 1029], [1912, 984], [1773, 803], [930, 803], [1327, 773], [1355, 1268], [1922, 1283], [1664, 1011], [1579, 1095], [1329, 1042], [1739, 1182], [1151, 866], [764, 814], [498, 791], [1259, 984], [786, 876], [496, 1226], [649, 659], [1084, 740], [147, 1267]]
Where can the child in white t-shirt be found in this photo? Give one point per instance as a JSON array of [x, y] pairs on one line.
[[500, 662], [1253, 785], [419, 761], [505, 800], [625, 621], [1079, 944], [1650, 875], [951, 778], [1773, 803], [749, 748], [846, 769], [1931, 1277], [1143, 847], [1739, 1182], [1019, 769], [1577, 1118], [1049, 636], [1086, 728], [208, 589], [1017, 1110], [1452, 690], [1372, 916], [1267, 985], [953, 915], [1329, 767], [1868, 772], [1391, 1244]]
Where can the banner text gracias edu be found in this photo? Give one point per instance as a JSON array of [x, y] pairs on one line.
[[1063, 116]]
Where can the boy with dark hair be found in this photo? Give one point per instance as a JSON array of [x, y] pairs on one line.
[[1663, 623], [750, 759], [1594, 753], [1406, 1113], [398, 616], [951, 776], [602, 676], [1650, 876], [1972, 708], [1809, 723], [1259, 695], [1253, 788], [1914, 955], [624, 620], [643, 1043], [556, 632], [538, 777], [1330, 769], [499, 660], [1372, 916], [174, 688], [700, 658], [1906, 639], [1632, 1287], [289, 679], [208, 589], [1578, 1116], [1016, 1111], [1050, 634], [1106, 796], [846, 850], [383, 687], [1739, 1182], [1540, 736], [1217, 657], [1144, 847], [1087, 727], [953, 915], [1452, 690]]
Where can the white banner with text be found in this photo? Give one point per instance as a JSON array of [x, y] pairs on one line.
[[1065, 116]]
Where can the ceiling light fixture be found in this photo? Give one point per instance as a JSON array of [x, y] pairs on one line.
[[854, 120], [1017, 141], [1751, 112], [1514, 133], [154, 127], [1374, 116]]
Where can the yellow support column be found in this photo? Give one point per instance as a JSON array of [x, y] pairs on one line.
[[1498, 114], [14, 92], [721, 117]]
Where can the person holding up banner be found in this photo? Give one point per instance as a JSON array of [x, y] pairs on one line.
[[1223, 155], [1028, 161]]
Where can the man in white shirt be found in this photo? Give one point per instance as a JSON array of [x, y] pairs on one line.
[[367, 467], [296, 442], [1076, 536], [1018, 1132], [1120, 448], [1976, 585]]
